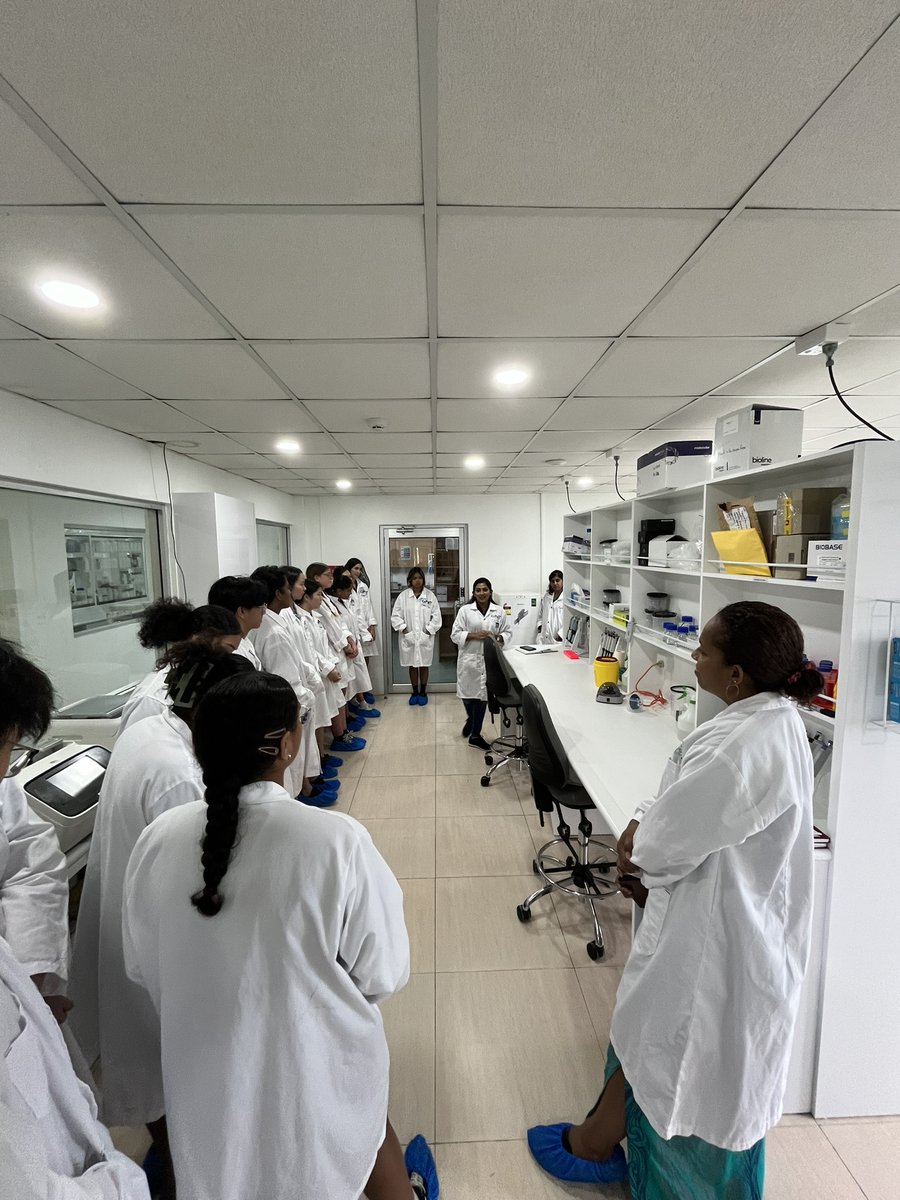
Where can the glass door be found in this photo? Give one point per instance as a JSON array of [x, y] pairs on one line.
[[442, 553]]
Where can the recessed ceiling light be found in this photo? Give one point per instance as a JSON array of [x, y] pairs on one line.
[[72, 295], [555, 462], [287, 446], [343, 484], [474, 462], [584, 482], [182, 445], [511, 376]]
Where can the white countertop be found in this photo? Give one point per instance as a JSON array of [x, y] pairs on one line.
[[619, 755]]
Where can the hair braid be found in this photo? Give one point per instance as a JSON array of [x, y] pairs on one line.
[[219, 837]]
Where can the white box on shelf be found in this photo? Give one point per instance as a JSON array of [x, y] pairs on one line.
[[756, 436], [659, 550], [673, 465], [826, 560]]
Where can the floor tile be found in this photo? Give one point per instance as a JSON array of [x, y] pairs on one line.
[[383, 796], [476, 927], [397, 761], [871, 1152], [406, 846], [418, 908], [459, 759], [801, 1164], [505, 1171], [514, 1048], [598, 987], [482, 846], [463, 796], [409, 1025]]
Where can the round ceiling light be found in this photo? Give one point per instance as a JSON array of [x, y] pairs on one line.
[[344, 484], [72, 295], [511, 376], [584, 482], [473, 463], [287, 446]]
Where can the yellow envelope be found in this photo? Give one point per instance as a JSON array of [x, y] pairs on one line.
[[740, 551]]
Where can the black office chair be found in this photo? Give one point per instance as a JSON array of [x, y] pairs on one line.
[[555, 784], [504, 697]]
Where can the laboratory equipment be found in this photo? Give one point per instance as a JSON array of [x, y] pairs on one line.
[[657, 620], [657, 602], [650, 528], [94, 720], [673, 465], [63, 787], [661, 547], [606, 670], [609, 693], [612, 596]]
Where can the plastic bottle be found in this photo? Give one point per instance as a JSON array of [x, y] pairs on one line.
[[684, 631], [840, 516], [829, 672], [670, 632]]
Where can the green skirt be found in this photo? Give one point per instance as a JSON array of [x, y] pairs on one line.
[[685, 1167]]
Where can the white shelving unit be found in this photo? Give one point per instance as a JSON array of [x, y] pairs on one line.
[[848, 1040]]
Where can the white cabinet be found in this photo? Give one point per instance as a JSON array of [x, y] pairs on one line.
[[848, 1046], [215, 535]]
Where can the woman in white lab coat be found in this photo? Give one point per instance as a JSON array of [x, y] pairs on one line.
[[475, 622], [417, 618], [152, 769], [701, 1033], [552, 611], [365, 599], [246, 598], [360, 682], [266, 953]]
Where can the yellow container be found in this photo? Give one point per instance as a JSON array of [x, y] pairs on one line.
[[606, 670]]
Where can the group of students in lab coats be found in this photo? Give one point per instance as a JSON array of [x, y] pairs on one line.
[[239, 943]]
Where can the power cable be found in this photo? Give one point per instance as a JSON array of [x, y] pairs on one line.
[[616, 461], [172, 518], [568, 497], [829, 350]]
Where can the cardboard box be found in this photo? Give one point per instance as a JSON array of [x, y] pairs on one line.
[[826, 559], [756, 436], [673, 465], [805, 510], [791, 548]]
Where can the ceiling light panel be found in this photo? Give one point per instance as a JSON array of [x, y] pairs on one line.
[[183, 370], [90, 247], [284, 275], [350, 371], [465, 369], [675, 366], [323, 109], [45, 372], [519, 77], [774, 273], [537, 275]]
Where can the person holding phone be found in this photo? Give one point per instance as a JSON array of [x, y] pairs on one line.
[[480, 619]]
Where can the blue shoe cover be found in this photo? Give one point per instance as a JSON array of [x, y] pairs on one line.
[[369, 697], [414, 699], [355, 725], [369, 713], [319, 799], [354, 744], [420, 1160], [423, 697], [327, 785], [152, 1168], [328, 772], [332, 760], [546, 1146]]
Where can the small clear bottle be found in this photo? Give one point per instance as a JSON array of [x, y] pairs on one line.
[[670, 633]]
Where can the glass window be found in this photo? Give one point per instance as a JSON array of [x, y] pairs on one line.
[[75, 576], [273, 544]]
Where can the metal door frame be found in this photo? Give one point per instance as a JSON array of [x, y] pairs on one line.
[[429, 530]]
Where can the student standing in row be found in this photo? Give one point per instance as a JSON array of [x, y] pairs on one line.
[[552, 611], [246, 598], [475, 622], [700, 1041], [266, 953], [340, 638], [362, 590], [360, 682], [417, 618]]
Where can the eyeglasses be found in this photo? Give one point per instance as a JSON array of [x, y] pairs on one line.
[[22, 756]]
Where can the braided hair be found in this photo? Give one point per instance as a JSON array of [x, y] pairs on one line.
[[768, 643], [237, 730], [195, 666]]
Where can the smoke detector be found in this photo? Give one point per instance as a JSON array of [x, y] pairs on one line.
[[377, 424], [555, 462]]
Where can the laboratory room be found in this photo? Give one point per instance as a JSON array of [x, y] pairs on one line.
[[449, 600]]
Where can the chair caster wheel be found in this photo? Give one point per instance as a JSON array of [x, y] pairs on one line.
[[534, 866], [485, 781], [523, 913], [489, 760], [570, 861], [595, 952]]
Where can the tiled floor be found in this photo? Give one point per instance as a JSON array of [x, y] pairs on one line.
[[503, 1025]]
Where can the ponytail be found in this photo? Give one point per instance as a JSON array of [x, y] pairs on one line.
[[237, 728]]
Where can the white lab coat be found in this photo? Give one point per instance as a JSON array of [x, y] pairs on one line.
[[34, 890], [421, 618], [367, 607], [337, 631], [550, 619], [471, 679], [274, 1055], [706, 1008], [246, 650], [148, 699], [277, 650], [152, 769], [358, 679], [326, 661], [52, 1147]]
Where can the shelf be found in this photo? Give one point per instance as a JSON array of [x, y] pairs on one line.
[[669, 571], [615, 566], [605, 619], [579, 608], [577, 558], [642, 634], [815, 718], [806, 585]]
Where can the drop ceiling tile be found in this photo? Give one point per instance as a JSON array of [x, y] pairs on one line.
[[32, 174], [493, 458], [539, 461], [576, 441], [238, 416], [9, 329], [350, 371], [183, 370], [557, 275], [46, 372], [831, 414], [388, 443], [465, 369], [782, 273], [674, 366], [324, 107], [614, 412], [837, 437], [888, 385], [530, 96], [139, 297], [271, 476], [880, 318], [477, 441], [500, 412], [190, 443], [484, 473], [858, 361], [703, 413], [411, 473], [310, 443], [139, 417], [862, 118], [226, 461], [303, 275], [351, 416], [308, 462], [389, 461]]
